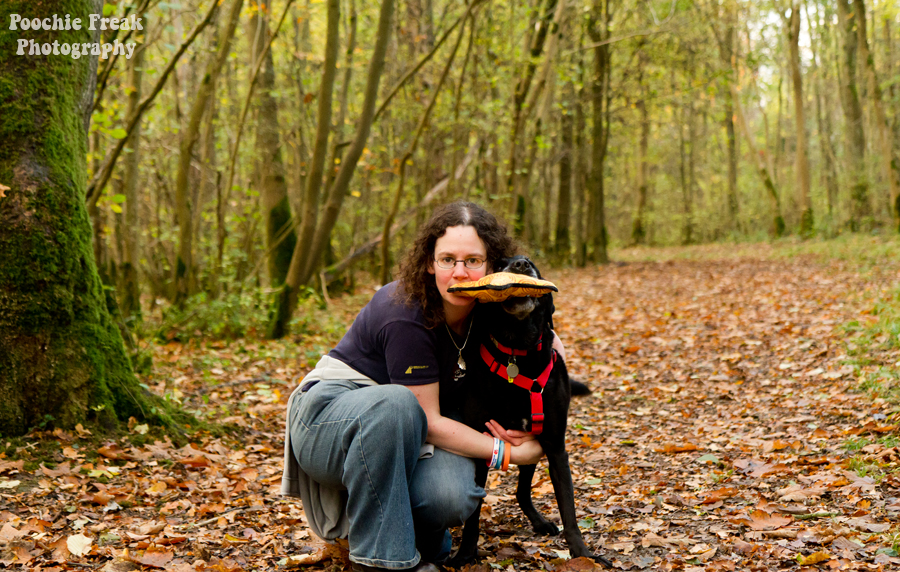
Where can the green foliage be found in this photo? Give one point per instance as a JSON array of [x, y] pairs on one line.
[[234, 315]]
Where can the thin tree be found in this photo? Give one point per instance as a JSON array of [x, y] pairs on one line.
[[184, 272], [315, 231], [801, 161], [860, 208]]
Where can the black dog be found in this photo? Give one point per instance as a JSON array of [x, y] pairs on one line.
[[517, 344]]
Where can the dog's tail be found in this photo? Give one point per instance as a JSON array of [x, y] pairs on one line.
[[578, 387]]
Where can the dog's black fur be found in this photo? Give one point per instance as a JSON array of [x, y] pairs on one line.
[[520, 323]]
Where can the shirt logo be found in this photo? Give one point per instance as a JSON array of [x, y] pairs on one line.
[[412, 367]]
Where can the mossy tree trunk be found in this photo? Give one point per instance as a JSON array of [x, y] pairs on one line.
[[61, 355]]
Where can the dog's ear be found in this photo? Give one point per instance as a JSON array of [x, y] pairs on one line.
[[549, 308]]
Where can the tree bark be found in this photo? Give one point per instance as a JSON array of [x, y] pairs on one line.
[[890, 169], [801, 163], [129, 286], [312, 238], [62, 359], [562, 243], [599, 31], [860, 208], [823, 118], [638, 224], [726, 54], [184, 273], [270, 166]]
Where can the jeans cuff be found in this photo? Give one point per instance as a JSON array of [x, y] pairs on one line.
[[389, 564]]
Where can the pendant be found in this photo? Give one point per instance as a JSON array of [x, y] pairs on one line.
[[461, 363], [512, 370]]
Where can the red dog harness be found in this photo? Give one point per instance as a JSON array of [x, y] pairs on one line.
[[535, 386]]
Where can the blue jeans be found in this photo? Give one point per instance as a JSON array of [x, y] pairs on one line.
[[367, 440]]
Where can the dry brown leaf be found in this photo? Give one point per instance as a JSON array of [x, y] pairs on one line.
[[762, 520], [580, 564], [814, 558], [154, 558], [720, 494], [673, 448]]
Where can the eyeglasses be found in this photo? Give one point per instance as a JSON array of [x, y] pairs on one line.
[[448, 262]]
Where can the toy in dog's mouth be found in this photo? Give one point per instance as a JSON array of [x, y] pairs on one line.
[[503, 286]]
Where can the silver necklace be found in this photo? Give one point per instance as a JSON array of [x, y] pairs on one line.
[[460, 361]]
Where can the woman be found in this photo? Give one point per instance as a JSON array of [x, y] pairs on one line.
[[358, 425]]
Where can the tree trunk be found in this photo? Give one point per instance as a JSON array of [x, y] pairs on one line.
[[853, 118], [526, 96], [62, 359], [639, 223], [562, 242], [270, 167], [823, 118], [801, 164], [129, 286], [726, 54], [889, 166], [312, 242], [599, 130], [184, 272]]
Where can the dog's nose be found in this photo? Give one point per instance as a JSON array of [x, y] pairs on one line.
[[521, 266]]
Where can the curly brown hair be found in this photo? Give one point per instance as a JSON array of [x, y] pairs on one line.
[[418, 284]]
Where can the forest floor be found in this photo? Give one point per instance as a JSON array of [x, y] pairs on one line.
[[744, 416]]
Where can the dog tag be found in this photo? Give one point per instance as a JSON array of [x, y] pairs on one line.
[[512, 370]]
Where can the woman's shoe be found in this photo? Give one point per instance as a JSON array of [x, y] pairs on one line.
[[422, 566]]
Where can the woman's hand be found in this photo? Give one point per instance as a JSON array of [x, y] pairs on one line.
[[526, 450], [528, 453], [512, 436]]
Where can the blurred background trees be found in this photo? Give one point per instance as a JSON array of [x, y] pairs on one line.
[[262, 167]]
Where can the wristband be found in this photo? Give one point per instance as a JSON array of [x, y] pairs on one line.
[[495, 455], [506, 454]]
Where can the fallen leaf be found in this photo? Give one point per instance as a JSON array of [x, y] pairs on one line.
[[79, 544], [154, 558], [814, 558]]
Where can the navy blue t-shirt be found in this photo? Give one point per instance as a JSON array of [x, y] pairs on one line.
[[390, 343]]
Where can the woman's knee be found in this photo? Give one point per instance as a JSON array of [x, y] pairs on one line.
[[444, 492], [396, 406], [450, 505]]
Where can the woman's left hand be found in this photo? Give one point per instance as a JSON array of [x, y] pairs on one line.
[[513, 437]]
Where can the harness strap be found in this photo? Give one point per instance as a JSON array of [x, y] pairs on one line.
[[535, 386]]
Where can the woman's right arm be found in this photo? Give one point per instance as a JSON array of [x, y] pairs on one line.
[[461, 439]]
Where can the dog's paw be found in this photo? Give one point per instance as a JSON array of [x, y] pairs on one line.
[[458, 561], [546, 528], [601, 560]]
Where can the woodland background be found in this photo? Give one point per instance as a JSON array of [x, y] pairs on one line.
[[582, 123], [162, 217]]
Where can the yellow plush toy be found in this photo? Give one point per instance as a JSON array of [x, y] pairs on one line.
[[499, 286]]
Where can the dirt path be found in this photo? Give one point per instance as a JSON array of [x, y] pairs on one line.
[[723, 417]]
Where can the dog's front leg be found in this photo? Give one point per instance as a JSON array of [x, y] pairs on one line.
[[523, 494], [561, 477]]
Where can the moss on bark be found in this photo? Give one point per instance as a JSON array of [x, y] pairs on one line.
[[61, 355]]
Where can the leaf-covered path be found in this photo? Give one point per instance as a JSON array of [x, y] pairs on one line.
[[725, 432], [724, 418]]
